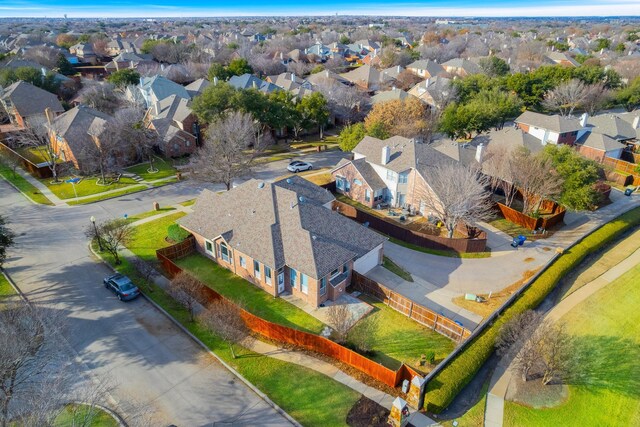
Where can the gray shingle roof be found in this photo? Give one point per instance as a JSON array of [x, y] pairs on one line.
[[271, 224], [161, 87], [612, 126], [390, 95], [365, 170], [403, 153], [433, 68], [555, 123], [78, 124], [599, 141], [29, 100], [510, 137]]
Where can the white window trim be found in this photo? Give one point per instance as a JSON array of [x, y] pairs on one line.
[[267, 277], [210, 252], [304, 289], [257, 272], [243, 262]]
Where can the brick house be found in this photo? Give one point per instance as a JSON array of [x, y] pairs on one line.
[[553, 129], [176, 125], [284, 238], [23, 102], [393, 171]]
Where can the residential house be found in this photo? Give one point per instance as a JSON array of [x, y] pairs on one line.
[[367, 78], [176, 126], [249, 81], [561, 58], [597, 146], [319, 50], [157, 88], [614, 126], [432, 91], [25, 102], [393, 171], [426, 68], [196, 87], [634, 119], [327, 77], [75, 133], [284, 238], [84, 52], [553, 129], [390, 95], [131, 60], [461, 67]]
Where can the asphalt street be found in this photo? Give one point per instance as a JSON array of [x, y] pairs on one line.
[[131, 345]]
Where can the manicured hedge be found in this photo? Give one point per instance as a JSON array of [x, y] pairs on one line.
[[444, 387]]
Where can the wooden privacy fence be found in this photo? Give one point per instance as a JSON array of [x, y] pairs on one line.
[[625, 167], [477, 244], [526, 221], [417, 312], [285, 334]]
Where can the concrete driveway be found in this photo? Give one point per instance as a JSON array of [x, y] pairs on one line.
[[151, 362]]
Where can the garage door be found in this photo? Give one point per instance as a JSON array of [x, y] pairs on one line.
[[368, 261]]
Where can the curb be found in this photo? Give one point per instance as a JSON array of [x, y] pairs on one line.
[[24, 194], [111, 413], [237, 374]]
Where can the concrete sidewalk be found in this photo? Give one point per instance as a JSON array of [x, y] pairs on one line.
[[41, 187], [502, 376]]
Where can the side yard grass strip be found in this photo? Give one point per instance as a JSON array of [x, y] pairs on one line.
[[128, 190], [27, 189], [447, 383], [313, 399]]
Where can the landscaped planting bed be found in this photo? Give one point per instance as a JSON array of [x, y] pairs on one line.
[[445, 385]]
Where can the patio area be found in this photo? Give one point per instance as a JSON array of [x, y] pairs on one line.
[[357, 307]]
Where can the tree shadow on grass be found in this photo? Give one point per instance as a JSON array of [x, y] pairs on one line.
[[607, 363]]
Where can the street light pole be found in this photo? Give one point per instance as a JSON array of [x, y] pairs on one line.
[[95, 228]]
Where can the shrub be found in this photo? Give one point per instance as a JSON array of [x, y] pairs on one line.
[[445, 385], [177, 233]]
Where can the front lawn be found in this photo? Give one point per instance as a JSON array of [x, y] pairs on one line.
[[164, 169], [150, 236], [399, 339], [86, 187], [143, 215], [313, 399], [25, 187], [515, 230], [6, 290], [250, 296], [606, 326], [99, 197], [84, 415]]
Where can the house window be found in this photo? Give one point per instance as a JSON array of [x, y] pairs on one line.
[[267, 274], [243, 262], [391, 175], [293, 275], [188, 143], [208, 247], [323, 286], [367, 195], [304, 283], [334, 273], [225, 252], [357, 182], [403, 178], [345, 268], [256, 269]]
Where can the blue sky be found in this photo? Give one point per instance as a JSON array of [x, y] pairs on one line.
[[450, 8]]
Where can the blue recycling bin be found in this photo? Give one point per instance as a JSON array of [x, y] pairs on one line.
[[521, 239], [628, 191]]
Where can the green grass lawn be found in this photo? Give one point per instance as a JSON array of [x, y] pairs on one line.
[[399, 339], [313, 399], [189, 202], [33, 154], [165, 169], [606, 326], [150, 236], [27, 189], [474, 417], [5, 288], [143, 215], [396, 269], [125, 191], [250, 296], [86, 187], [95, 417]]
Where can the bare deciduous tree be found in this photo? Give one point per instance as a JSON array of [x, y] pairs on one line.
[[143, 268], [185, 289], [226, 321], [456, 194], [517, 340], [36, 136], [224, 155], [348, 103], [500, 166], [566, 97], [596, 98], [102, 97], [341, 320], [536, 179], [112, 234], [363, 334]]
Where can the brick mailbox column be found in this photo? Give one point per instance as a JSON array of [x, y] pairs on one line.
[[399, 416], [415, 392]]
